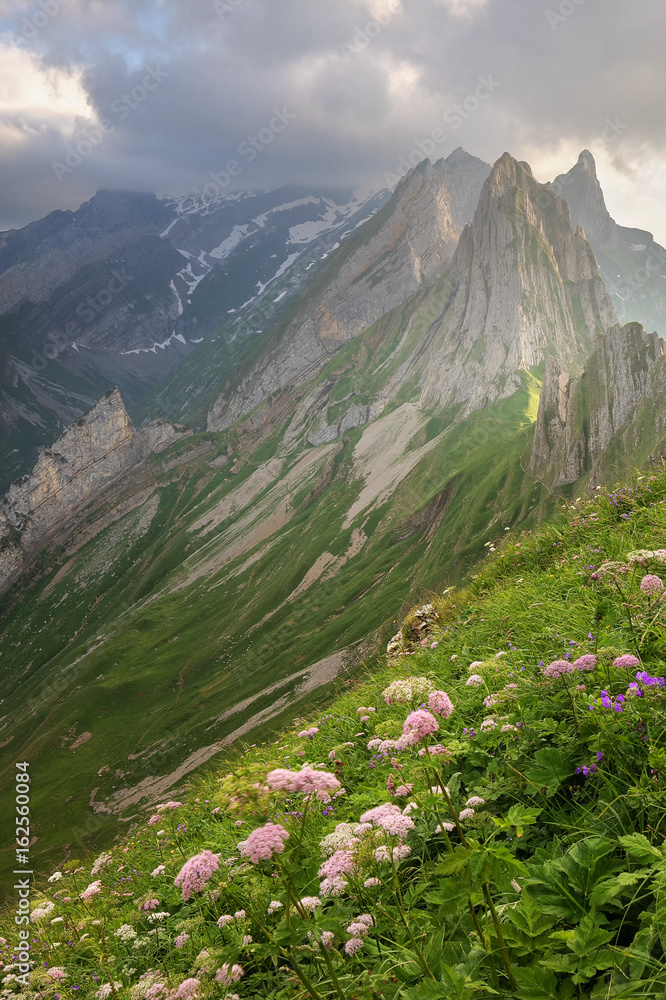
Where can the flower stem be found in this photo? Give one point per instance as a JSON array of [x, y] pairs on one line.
[[500, 936]]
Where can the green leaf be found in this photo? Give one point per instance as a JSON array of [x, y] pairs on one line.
[[451, 893], [454, 863], [537, 983], [529, 917], [520, 817], [638, 846], [554, 768]]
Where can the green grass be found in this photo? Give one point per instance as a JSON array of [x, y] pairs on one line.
[[563, 869]]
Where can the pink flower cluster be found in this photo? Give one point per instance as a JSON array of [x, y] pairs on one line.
[[436, 750], [264, 842], [652, 584], [586, 662], [150, 904], [308, 733], [558, 668], [440, 704], [228, 975], [626, 662], [187, 989], [340, 863], [419, 725], [389, 818], [474, 680], [196, 873], [306, 780], [93, 889], [168, 805]]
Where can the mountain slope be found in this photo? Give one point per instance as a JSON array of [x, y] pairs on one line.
[[632, 265], [216, 585], [610, 416]]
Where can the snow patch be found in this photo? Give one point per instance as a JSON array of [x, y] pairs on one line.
[[237, 235], [168, 228]]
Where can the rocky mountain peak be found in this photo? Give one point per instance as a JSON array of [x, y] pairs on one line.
[[581, 188]]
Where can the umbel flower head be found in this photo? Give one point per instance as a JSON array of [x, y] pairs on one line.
[[652, 584], [196, 873], [306, 780], [420, 724], [264, 842], [440, 704], [557, 668]]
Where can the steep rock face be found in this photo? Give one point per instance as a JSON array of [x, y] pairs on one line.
[[632, 264], [404, 249], [463, 176], [579, 417], [92, 452], [524, 284]]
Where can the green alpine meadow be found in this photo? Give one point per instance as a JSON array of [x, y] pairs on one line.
[[478, 813]]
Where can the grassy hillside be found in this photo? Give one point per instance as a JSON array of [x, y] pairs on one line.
[[209, 592], [520, 850]]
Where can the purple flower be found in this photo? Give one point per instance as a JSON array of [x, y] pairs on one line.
[[652, 584]]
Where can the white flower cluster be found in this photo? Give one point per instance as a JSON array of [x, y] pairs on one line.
[[154, 918], [101, 862], [42, 911], [410, 689], [125, 932], [343, 835], [641, 557]]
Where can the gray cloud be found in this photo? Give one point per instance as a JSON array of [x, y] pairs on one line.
[[363, 89]]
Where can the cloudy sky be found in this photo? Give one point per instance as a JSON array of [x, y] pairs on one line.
[[161, 94]]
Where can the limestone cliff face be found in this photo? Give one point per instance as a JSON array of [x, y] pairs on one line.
[[580, 417], [408, 245], [91, 453], [632, 264], [525, 284]]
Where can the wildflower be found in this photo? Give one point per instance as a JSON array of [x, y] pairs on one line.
[[187, 989], [341, 863], [239, 915], [57, 974], [436, 750], [466, 814], [150, 904], [586, 662], [487, 725], [475, 801], [626, 661], [358, 928], [196, 873], [474, 680], [491, 700], [382, 854], [247, 940], [274, 906], [420, 724], [93, 890], [229, 974], [390, 819], [354, 945], [333, 886], [169, 805], [44, 910], [225, 919], [652, 584], [181, 940], [475, 664], [310, 903], [306, 780], [158, 871], [154, 918], [557, 668], [400, 692], [264, 842], [440, 704], [444, 828], [55, 877], [371, 882], [125, 932], [155, 818], [102, 861], [401, 852]]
